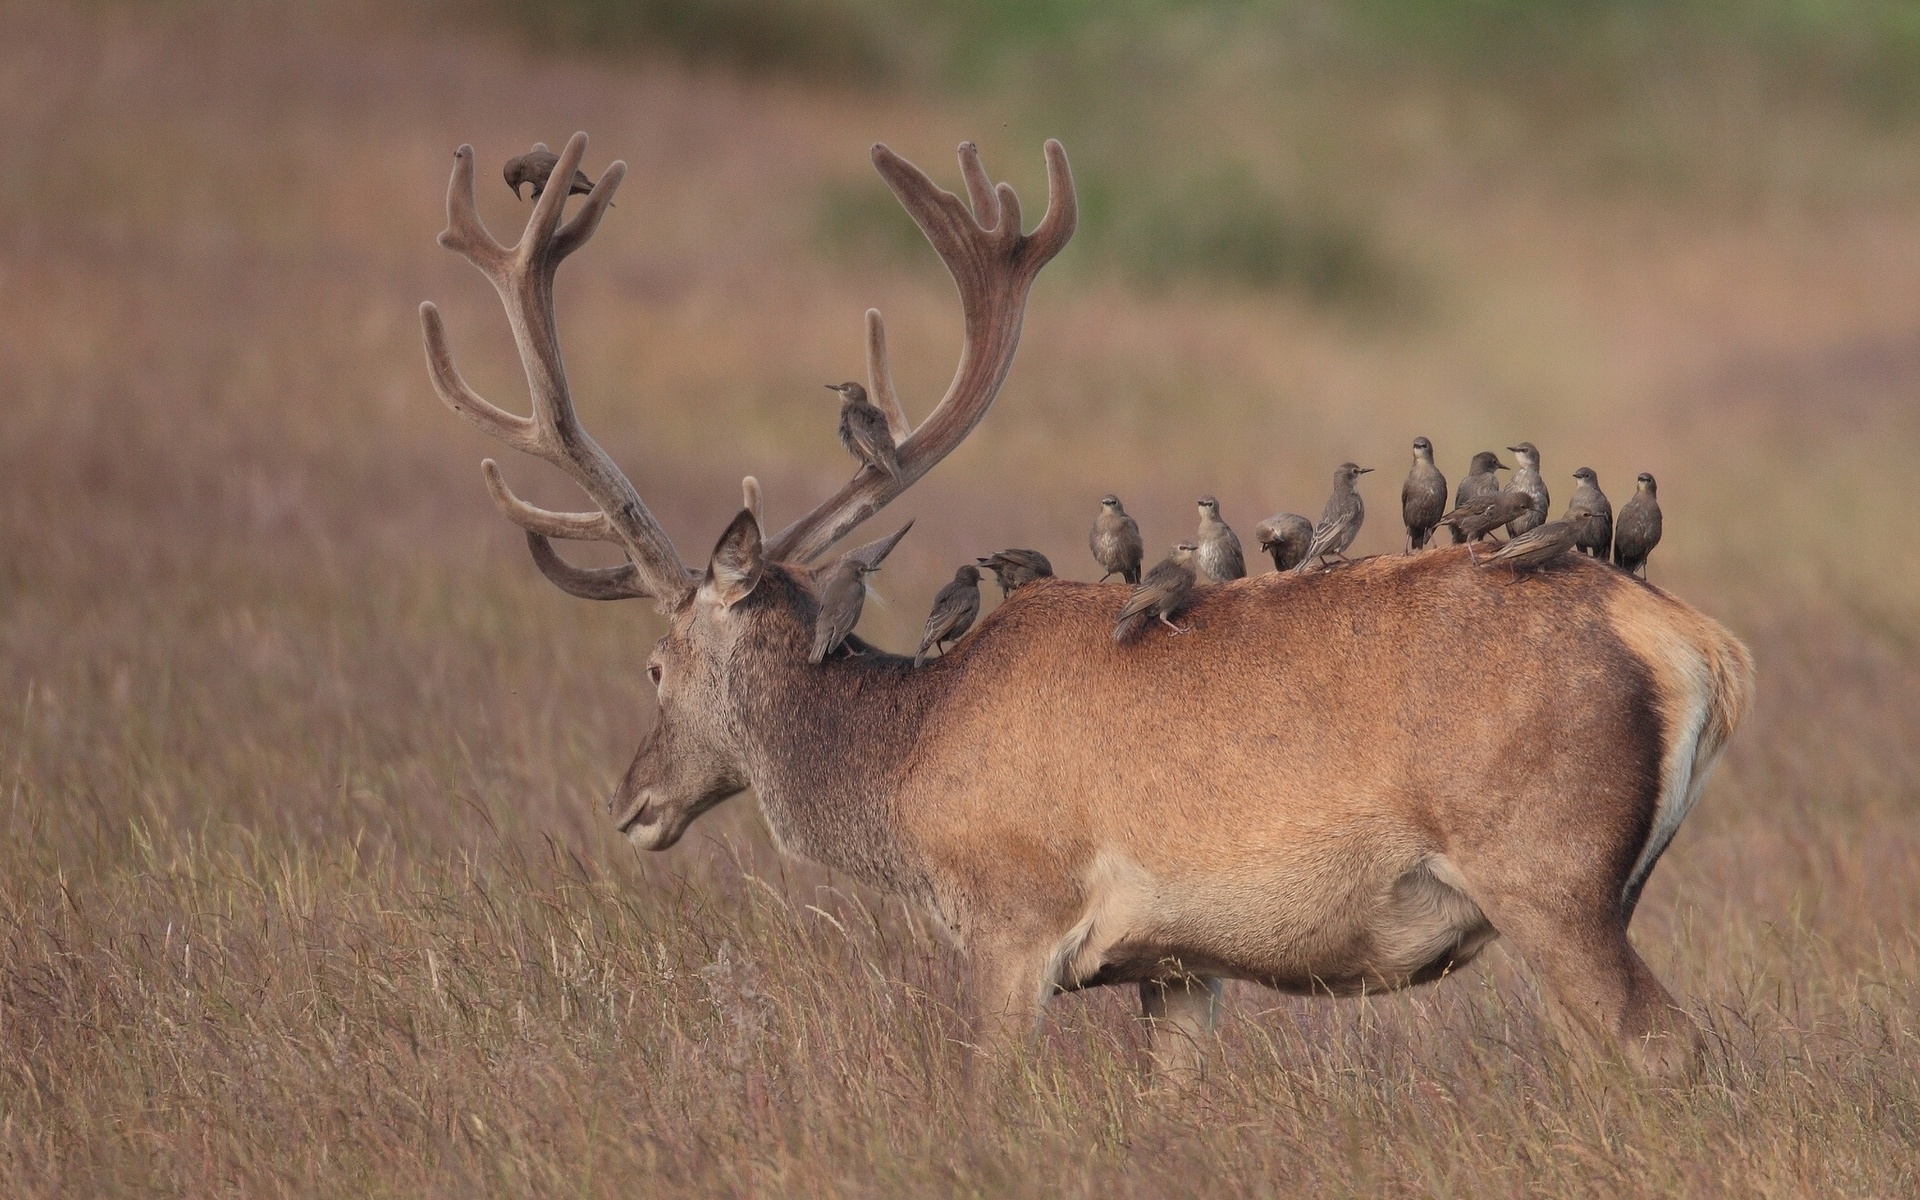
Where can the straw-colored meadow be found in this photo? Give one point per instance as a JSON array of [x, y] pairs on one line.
[[305, 883]]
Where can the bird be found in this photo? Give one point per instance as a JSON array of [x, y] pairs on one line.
[[1480, 516], [841, 600], [1526, 478], [536, 167], [1480, 481], [1015, 569], [1636, 531], [1596, 514], [1286, 537], [1115, 541], [1339, 520], [1423, 497], [954, 608], [1219, 558], [1540, 545], [864, 430], [1167, 589]]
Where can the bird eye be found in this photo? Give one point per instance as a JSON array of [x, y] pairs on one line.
[[653, 673]]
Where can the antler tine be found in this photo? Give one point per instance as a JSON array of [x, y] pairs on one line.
[[588, 583], [523, 276], [993, 265]]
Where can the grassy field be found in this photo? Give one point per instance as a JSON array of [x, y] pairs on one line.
[[304, 883]]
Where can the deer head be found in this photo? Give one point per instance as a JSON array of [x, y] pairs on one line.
[[728, 620]]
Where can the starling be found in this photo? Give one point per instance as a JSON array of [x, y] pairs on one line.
[[535, 167], [1166, 590], [1339, 520], [1115, 541], [1219, 557], [1637, 531], [1480, 481], [1423, 497], [1540, 545], [863, 429], [1526, 478], [1015, 569], [1479, 517], [841, 599], [954, 608], [1595, 513], [1286, 537]]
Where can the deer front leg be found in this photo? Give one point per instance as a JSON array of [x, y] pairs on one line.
[[1011, 989], [1179, 1011]]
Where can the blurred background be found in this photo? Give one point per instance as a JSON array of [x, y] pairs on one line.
[[263, 636]]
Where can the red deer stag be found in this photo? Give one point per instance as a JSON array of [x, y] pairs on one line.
[[1340, 782]]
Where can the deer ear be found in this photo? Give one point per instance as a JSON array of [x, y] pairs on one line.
[[734, 571]]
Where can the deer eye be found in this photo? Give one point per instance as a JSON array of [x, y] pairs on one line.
[[653, 673]]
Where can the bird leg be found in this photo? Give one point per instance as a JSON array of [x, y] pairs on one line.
[[1177, 629]]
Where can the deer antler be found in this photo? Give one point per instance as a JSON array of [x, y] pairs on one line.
[[523, 276], [993, 265]]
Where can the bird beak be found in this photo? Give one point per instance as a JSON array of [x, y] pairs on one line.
[[1365, 470], [1514, 449], [516, 189]]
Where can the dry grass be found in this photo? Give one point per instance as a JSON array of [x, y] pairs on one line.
[[303, 884]]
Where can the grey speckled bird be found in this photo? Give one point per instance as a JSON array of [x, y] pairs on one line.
[[1286, 536], [1481, 480], [1480, 516], [954, 608], [1015, 569], [1594, 512], [1340, 520], [1637, 530], [1423, 497], [1219, 558], [536, 167], [1537, 546], [1115, 541], [1167, 589], [1526, 478], [841, 599], [863, 429]]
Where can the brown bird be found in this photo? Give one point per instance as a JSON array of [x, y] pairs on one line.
[[954, 608], [1595, 512], [536, 167], [1526, 478], [1479, 517], [1167, 589], [1637, 530], [864, 430], [1015, 569], [1115, 541], [1423, 497], [1339, 520], [1219, 558], [1286, 537], [841, 600], [1538, 546], [1480, 480]]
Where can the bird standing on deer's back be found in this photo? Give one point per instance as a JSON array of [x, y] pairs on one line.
[[1481, 480], [536, 167], [1166, 590], [1423, 497], [1637, 530], [1526, 479], [954, 608], [1115, 541], [1340, 520], [1014, 569], [1540, 545], [841, 599], [1480, 516], [1595, 512], [864, 431], [1286, 536], [1219, 557]]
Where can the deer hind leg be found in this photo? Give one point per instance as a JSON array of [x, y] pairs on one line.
[[1179, 1011]]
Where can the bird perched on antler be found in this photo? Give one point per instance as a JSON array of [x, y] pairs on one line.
[[1014, 569], [1286, 536], [1219, 557], [1115, 541], [1167, 589], [1481, 480], [864, 430], [1526, 479], [1479, 517], [1595, 514], [536, 167], [1340, 520], [1637, 529], [1423, 497], [1540, 545], [954, 608]]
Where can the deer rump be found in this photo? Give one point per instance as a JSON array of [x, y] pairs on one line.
[[1327, 786]]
